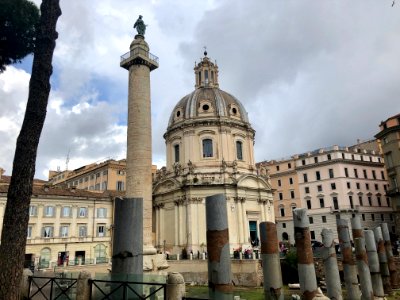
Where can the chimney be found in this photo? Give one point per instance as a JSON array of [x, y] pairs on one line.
[[2, 171]]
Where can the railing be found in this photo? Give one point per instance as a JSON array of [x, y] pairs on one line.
[[139, 51], [345, 208], [53, 240], [52, 288], [123, 290]]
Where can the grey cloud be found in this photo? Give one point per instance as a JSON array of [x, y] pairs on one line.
[[311, 73]]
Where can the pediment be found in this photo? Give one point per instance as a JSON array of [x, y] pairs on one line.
[[253, 181], [165, 186]]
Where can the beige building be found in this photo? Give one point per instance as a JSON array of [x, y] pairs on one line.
[[109, 175], [389, 138], [285, 184], [104, 176], [65, 225], [209, 147], [334, 182]]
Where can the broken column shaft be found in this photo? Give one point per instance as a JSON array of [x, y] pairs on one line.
[[305, 258], [271, 262], [389, 253], [373, 262], [363, 270], [383, 263], [219, 261], [349, 264], [332, 278]]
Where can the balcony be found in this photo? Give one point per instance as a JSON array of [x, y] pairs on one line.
[[345, 208], [139, 56], [62, 240]]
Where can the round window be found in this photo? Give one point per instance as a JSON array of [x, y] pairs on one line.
[[206, 107], [234, 110], [178, 113]]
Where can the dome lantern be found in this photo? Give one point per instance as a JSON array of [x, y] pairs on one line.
[[206, 73]]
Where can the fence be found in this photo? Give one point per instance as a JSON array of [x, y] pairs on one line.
[[122, 290], [52, 288]]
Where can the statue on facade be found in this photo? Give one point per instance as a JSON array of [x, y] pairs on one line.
[[234, 166], [223, 165], [191, 167], [140, 26], [177, 168]]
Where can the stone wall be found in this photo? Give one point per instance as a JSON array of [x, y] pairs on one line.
[[244, 272]]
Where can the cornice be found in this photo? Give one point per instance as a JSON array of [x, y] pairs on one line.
[[342, 161], [192, 123]]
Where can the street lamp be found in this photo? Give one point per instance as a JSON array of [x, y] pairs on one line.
[[164, 246]]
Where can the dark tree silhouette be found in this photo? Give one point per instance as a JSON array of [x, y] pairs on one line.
[[18, 22], [16, 216]]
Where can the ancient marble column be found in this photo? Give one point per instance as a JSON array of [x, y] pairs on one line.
[[305, 259], [373, 262], [271, 262], [363, 269], [383, 262], [349, 264], [219, 261], [389, 253], [333, 286]]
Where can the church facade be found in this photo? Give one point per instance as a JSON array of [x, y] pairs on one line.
[[209, 148]]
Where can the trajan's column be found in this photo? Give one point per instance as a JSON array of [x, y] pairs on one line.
[[140, 62]]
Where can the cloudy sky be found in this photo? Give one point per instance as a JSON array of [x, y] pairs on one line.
[[311, 73]]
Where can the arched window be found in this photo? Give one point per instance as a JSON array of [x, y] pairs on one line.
[[176, 151], [207, 148], [100, 253], [45, 256], [239, 150]]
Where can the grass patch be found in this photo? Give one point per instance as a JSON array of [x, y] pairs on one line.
[[248, 293], [255, 293]]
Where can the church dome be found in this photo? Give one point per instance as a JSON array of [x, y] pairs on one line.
[[209, 128], [207, 100]]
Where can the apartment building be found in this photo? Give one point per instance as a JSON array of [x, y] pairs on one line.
[[109, 175], [284, 181], [389, 138], [66, 226], [336, 182], [98, 177]]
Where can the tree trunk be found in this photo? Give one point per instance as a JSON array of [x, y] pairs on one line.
[[16, 217]]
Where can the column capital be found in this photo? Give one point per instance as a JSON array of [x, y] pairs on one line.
[[239, 199]]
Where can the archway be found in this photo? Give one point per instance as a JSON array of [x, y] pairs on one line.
[[285, 236], [45, 257], [100, 253]]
